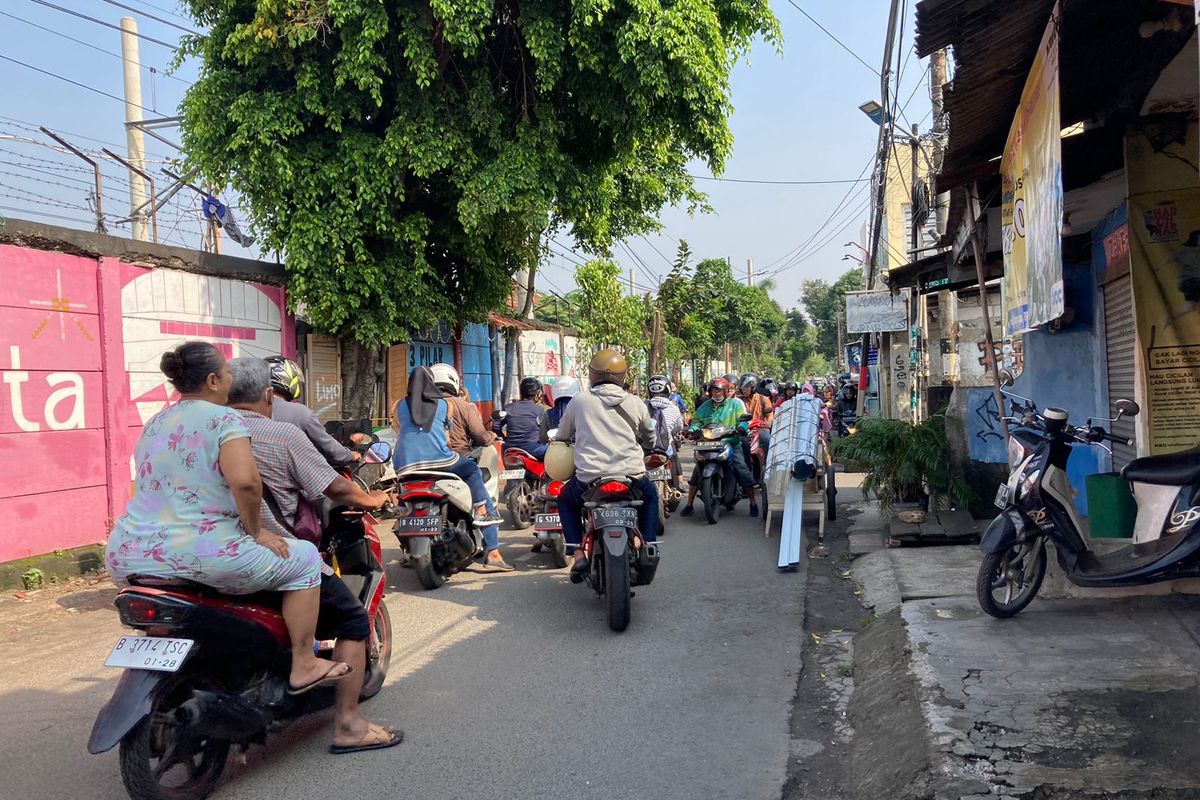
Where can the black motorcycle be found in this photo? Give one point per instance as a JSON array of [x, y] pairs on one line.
[[1035, 505]]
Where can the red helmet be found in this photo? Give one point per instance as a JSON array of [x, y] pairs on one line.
[[718, 383]]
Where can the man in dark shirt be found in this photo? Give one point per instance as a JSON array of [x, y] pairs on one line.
[[523, 425]]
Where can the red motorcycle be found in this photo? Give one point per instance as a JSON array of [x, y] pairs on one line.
[[210, 671], [522, 475], [547, 525]]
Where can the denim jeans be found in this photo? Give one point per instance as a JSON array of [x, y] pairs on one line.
[[468, 470], [570, 510], [537, 449]]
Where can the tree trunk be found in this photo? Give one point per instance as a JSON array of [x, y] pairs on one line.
[[362, 370]]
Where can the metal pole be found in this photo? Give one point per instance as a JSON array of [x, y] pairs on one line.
[[139, 211], [631, 282], [134, 140], [881, 148], [937, 79], [749, 272], [975, 211], [912, 205], [95, 169]]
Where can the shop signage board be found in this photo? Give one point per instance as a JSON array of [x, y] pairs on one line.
[[1031, 212], [876, 312]]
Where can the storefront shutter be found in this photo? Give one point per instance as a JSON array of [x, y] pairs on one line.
[[1120, 342], [324, 372]]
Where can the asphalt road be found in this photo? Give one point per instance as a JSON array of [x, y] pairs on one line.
[[506, 685]]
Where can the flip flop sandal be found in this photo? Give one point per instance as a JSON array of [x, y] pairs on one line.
[[325, 680], [394, 738]]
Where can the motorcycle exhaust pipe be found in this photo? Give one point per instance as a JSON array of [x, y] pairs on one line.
[[221, 715]]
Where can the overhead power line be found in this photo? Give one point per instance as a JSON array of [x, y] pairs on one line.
[[840, 43], [75, 83], [151, 16], [776, 183], [92, 46], [142, 36]]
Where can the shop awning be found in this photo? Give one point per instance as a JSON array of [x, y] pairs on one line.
[[939, 272]]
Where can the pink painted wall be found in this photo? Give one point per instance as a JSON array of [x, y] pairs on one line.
[[80, 341]]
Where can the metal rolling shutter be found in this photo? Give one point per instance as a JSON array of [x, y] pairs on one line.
[[325, 376], [1120, 342]]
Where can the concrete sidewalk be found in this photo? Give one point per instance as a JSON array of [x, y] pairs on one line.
[[1074, 698]]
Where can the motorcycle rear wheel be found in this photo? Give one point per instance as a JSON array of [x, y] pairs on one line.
[[617, 590], [427, 574], [143, 750], [1012, 573], [712, 493]]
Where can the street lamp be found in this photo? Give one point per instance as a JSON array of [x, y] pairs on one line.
[[876, 112]]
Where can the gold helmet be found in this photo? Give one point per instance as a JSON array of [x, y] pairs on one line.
[[608, 366]]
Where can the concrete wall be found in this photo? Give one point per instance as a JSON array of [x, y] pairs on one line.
[[84, 332]]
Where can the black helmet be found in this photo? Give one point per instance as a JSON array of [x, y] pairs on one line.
[[658, 385], [791, 386], [768, 388], [286, 377], [748, 380], [530, 387], [731, 379]]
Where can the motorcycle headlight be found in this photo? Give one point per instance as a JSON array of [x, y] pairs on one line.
[[1028, 481], [1016, 452]]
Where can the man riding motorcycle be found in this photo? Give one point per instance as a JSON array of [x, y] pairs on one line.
[[466, 430], [292, 469], [524, 418], [668, 421], [760, 408], [287, 383], [611, 430], [720, 409]]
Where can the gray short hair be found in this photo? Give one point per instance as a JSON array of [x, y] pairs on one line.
[[251, 378]]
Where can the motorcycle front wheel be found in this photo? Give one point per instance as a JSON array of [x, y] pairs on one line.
[[382, 653], [712, 493], [1008, 581], [151, 767], [617, 590], [519, 501]]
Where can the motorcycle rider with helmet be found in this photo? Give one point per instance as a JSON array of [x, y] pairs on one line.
[[466, 425], [721, 409], [759, 407], [287, 382], [522, 427], [612, 431], [668, 421], [562, 391], [790, 390]]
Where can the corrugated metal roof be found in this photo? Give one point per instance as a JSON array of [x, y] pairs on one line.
[[994, 42]]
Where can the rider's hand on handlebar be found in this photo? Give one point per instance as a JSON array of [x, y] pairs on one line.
[[379, 499]]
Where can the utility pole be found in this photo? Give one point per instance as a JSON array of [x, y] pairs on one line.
[[749, 272], [937, 80], [631, 294], [885, 75], [912, 200], [841, 347], [134, 139]]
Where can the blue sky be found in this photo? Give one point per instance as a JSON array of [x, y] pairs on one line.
[[796, 118]]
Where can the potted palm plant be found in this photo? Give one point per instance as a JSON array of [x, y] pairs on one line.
[[903, 463]]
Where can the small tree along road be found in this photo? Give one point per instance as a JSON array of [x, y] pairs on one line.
[[405, 156]]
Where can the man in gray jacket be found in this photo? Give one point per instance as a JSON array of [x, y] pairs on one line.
[[612, 432], [287, 382]]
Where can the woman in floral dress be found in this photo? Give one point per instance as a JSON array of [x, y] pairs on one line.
[[195, 509]]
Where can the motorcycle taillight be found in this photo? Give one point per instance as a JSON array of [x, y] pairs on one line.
[[417, 486], [139, 611], [514, 462], [614, 487], [554, 488]]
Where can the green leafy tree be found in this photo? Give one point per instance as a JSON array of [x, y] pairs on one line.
[[405, 157], [823, 301], [607, 317]]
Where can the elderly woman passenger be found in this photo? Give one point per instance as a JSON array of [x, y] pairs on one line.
[[195, 509]]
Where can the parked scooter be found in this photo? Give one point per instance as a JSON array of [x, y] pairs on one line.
[[624, 560], [1036, 505], [435, 518], [211, 671]]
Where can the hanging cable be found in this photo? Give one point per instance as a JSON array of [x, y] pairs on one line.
[[105, 24], [151, 16], [74, 83]]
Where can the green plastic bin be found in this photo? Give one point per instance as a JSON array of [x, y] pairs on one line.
[[1111, 507]]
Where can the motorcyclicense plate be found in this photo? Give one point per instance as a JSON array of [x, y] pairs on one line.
[[513, 474], [622, 516], [427, 525], [659, 474], [547, 522], [1002, 496], [149, 652]]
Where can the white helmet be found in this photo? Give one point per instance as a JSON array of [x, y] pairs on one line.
[[446, 377], [560, 461], [565, 386]]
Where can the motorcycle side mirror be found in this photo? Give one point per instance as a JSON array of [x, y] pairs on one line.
[[1126, 408], [1006, 378], [498, 416], [745, 418], [382, 451]]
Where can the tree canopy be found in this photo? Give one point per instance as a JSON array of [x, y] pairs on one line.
[[406, 157], [823, 302]]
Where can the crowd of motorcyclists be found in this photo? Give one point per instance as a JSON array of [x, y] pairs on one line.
[[228, 476]]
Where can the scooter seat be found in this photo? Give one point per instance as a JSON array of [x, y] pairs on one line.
[[1174, 469]]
